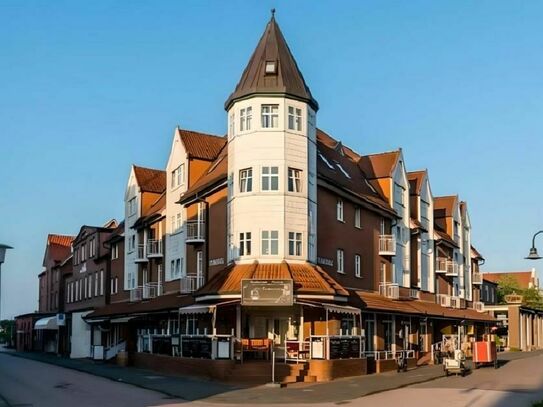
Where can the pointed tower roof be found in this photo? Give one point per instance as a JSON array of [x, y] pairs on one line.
[[272, 70]]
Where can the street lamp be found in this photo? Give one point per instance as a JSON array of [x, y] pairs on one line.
[[3, 248], [533, 251]]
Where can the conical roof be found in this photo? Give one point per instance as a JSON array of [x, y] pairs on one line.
[[272, 70]]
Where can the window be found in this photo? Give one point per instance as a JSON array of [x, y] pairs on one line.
[[92, 247], [132, 206], [96, 284], [294, 180], [245, 244], [270, 178], [294, 118], [246, 180], [339, 210], [101, 282], [270, 116], [199, 263], [178, 176], [178, 221], [357, 272], [245, 118], [114, 251], [177, 267], [270, 67], [340, 261], [172, 268], [131, 243], [83, 252], [357, 217], [398, 194], [86, 285], [294, 244], [270, 242]]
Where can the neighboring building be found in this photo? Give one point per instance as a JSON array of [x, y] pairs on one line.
[[524, 279], [489, 295], [87, 287]]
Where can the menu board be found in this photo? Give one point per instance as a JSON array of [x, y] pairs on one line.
[[196, 347], [162, 345], [344, 347]]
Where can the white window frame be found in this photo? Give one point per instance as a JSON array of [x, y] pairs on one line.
[[295, 242], [245, 118], [114, 251], [246, 180], [294, 180], [178, 176], [340, 257], [199, 263], [294, 118], [96, 284], [339, 210], [269, 114], [266, 238], [358, 217], [357, 266], [268, 175], [101, 282], [245, 244], [132, 206]]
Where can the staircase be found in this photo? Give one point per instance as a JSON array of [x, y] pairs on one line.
[[259, 372], [299, 373]]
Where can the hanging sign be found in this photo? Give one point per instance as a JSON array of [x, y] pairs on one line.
[[267, 292]]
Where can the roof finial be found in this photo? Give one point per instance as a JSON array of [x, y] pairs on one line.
[[273, 13]]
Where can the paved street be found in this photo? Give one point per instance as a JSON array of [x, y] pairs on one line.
[[519, 381]]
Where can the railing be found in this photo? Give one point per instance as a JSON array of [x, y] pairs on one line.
[[479, 306], [111, 352], [448, 267], [414, 293], [136, 294], [387, 245], [456, 302], [452, 268], [297, 351], [195, 231], [191, 283], [152, 290], [477, 278], [389, 290], [389, 355], [443, 300], [441, 265], [154, 248], [141, 255], [336, 346]]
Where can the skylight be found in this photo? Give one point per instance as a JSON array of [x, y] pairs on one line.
[[326, 161]]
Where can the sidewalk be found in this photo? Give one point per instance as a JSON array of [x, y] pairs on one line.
[[192, 389]]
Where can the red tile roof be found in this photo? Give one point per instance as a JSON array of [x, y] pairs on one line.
[[415, 179], [444, 206], [307, 278], [150, 180], [201, 145], [523, 278], [379, 165], [61, 240]]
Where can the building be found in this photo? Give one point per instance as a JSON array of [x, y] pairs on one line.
[[524, 279]]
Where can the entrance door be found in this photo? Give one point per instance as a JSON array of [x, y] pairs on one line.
[[277, 332]]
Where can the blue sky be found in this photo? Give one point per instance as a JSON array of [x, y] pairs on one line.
[[87, 88]]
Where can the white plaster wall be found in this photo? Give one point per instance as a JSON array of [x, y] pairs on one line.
[[427, 252], [401, 274], [271, 210], [175, 241], [81, 336], [130, 267]]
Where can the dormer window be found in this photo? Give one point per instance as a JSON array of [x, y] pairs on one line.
[[271, 67]]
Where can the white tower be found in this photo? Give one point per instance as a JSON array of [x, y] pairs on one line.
[[272, 174]]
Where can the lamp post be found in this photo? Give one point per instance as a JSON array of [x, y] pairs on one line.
[[3, 248], [533, 250]]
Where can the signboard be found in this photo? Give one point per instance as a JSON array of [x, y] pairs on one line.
[[267, 293], [61, 319], [196, 347], [344, 347]]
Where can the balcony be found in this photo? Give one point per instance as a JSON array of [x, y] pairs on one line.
[[452, 269], [145, 292], [443, 300], [191, 283], [477, 278], [195, 231], [479, 306], [387, 245], [154, 248], [447, 267], [456, 302], [141, 256], [390, 290]]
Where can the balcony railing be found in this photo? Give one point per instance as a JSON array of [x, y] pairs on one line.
[[452, 269], [389, 290], [145, 292], [191, 283], [195, 231], [441, 265], [447, 267], [443, 300], [414, 293], [154, 248], [387, 245], [479, 306], [456, 302], [477, 278], [141, 255]]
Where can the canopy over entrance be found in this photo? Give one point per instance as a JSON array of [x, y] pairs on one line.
[[46, 323]]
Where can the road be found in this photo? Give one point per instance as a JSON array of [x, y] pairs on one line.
[[517, 383]]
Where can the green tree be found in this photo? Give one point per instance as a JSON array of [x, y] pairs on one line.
[[507, 285], [7, 329], [532, 298]]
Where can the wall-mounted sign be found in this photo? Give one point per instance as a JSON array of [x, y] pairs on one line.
[[267, 292], [325, 262]]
